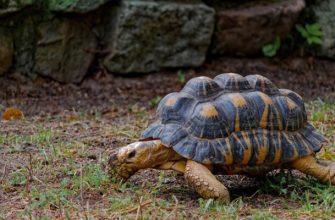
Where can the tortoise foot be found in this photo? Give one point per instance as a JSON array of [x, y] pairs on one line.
[[323, 170], [200, 178]]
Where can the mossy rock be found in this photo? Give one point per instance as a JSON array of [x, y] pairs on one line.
[[75, 6], [61, 50], [6, 50], [150, 35], [8, 7]]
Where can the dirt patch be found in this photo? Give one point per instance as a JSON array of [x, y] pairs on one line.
[[102, 92]]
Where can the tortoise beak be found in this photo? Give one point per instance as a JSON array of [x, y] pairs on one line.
[[115, 168]]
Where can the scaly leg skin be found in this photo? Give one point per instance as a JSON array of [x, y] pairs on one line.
[[323, 170], [204, 182]]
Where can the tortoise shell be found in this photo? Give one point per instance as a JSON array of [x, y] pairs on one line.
[[233, 119]]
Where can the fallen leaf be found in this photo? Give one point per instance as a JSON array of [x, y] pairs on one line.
[[12, 114]]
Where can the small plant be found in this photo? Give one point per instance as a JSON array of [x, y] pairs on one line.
[[50, 197], [154, 101], [271, 49], [262, 215], [181, 76], [206, 204], [17, 178], [117, 203], [282, 183], [230, 210], [157, 187], [318, 116], [312, 33], [92, 177]]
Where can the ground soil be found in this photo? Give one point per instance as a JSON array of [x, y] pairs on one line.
[[311, 78], [116, 99]]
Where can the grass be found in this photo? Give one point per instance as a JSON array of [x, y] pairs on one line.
[[55, 168]]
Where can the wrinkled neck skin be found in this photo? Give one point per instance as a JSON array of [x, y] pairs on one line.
[[140, 155]]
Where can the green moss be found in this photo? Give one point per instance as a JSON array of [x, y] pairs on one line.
[[80, 6], [61, 3], [52, 5]]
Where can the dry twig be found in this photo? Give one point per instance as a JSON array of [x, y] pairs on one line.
[[4, 172], [139, 209], [135, 209]]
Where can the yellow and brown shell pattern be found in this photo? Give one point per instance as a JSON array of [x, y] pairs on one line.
[[233, 119]]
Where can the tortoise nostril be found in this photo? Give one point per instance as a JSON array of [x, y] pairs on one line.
[[113, 159]]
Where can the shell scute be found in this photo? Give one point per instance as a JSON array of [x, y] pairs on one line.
[[274, 152], [238, 148], [232, 82], [207, 121], [293, 117], [301, 145], [202, 87], [263, 84], [294, 96], [288, 152], [266, 112], [174, 108], [238, 110]]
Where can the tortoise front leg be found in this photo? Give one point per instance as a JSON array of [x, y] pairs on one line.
[[204, 182], [323, 170]]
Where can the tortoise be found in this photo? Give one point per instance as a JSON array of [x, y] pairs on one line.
[[227, 125]]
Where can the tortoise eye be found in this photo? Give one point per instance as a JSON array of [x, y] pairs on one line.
[[132, 154]]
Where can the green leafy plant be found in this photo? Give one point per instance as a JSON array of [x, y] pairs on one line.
[[181, 76], [206, 204], [283, 183], [92, 177], [154, 101], [312, 33], [271, 49]]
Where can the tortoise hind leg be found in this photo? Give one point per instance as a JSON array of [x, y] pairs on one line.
[[323, 170], [204, 182]]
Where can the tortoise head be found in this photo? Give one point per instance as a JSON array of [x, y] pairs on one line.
[[133, 157]]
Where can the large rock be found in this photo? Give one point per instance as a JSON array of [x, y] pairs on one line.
[[8, 7], [245, 29], [62, 49], [149, 35], [75, 6], [24, 36], [6, 51], [324, 14]]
